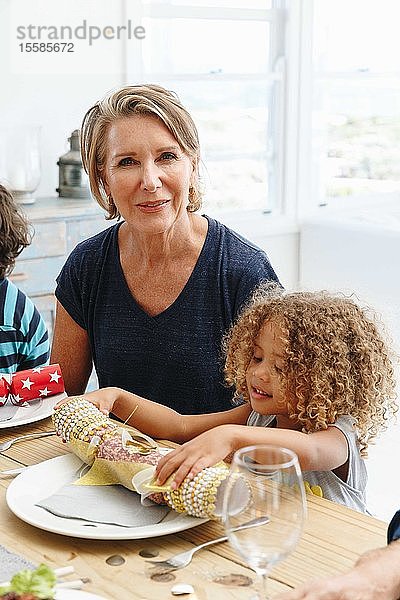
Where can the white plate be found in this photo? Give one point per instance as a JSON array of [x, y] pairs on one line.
[[76, 595], [36, 410], [42, 480]]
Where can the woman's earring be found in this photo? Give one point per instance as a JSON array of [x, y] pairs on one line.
[[112, 209], [190, 198]]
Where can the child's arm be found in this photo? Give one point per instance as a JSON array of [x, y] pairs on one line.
[[321, 451], [160, 421]]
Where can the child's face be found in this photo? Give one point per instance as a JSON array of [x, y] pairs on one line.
[[263, 376]]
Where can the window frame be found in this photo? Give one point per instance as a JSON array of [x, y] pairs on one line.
[[275, 77], [314, 165]]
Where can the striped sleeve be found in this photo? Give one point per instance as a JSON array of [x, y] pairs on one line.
[[24, 341]]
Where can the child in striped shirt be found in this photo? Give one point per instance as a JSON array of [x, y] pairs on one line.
[[24, 341]]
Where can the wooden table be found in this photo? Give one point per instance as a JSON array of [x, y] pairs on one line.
[[333, 538]]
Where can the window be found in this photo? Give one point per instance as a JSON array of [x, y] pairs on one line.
[[356, 99], [225, 60]]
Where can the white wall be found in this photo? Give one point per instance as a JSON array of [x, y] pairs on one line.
[[55, 91], [355, 255]]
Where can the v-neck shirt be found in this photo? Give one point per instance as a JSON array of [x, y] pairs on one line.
[[174, 357]]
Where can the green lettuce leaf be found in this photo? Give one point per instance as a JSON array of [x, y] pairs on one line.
[[40, 582]]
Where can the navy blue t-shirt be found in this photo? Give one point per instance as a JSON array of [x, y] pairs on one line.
[[175, 357]]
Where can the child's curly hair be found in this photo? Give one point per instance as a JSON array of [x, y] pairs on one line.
[[336, 362], [14, 232]]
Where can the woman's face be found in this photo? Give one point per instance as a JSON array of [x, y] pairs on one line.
[[147, 173], [263, 376]]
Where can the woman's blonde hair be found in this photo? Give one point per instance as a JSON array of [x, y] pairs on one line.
[[126, 102], [336, 362]]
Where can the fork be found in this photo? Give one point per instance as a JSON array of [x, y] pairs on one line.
[[178, 561], [6, 445]]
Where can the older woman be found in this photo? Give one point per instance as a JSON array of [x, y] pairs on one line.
[[149, 299]]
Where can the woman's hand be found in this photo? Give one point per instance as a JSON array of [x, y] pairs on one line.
[[189, 459]]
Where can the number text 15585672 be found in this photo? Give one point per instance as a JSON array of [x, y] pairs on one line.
[[46, 47]]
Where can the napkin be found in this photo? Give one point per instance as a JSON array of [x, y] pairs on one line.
[[117, 455], [11, 563], [24, 386], [111, 504]]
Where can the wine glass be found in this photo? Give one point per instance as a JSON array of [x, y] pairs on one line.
[[264, 481]]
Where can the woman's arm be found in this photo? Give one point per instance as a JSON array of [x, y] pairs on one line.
[[71, 350], [161, 421], [321, 451]]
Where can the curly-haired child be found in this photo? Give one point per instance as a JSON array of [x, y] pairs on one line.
[[24, 342], [316, 377]]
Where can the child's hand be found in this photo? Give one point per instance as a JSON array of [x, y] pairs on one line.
[[104, 399], [189, 459], [63, 401]]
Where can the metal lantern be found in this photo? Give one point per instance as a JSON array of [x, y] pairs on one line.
[[73, 181]]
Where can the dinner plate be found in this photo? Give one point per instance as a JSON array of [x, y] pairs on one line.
[[65, 594], [33, 411], [44, 479]]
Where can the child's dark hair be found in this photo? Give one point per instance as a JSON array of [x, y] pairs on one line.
[[14, 232], [336, 361]]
